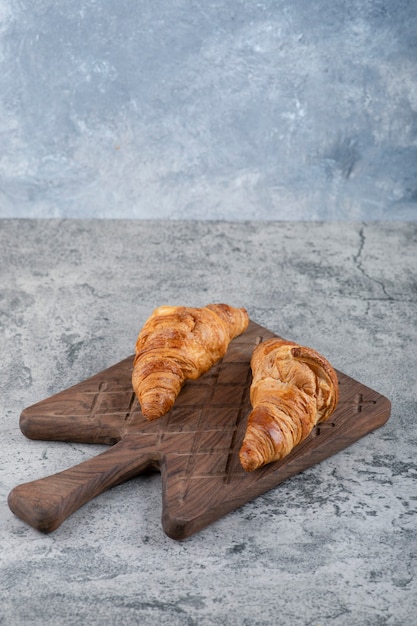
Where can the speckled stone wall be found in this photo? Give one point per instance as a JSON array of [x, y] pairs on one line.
[[185, 109]]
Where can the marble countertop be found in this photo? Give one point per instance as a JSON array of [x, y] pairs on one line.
[[334, 545]]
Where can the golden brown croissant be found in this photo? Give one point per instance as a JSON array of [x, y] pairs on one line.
[[293, 389], [179, 343]]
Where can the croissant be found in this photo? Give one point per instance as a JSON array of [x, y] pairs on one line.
[[293, 389], [179, 343]]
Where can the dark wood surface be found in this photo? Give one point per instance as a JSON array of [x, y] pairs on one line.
[[195, 446]]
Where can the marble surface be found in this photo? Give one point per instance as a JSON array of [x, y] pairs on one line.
[[335, 545], [221, 110]]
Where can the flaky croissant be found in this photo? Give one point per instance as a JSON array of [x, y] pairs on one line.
[[293, 389], [179, 343]]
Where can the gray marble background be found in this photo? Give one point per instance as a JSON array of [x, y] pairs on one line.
[[333, 546], [230, 110]]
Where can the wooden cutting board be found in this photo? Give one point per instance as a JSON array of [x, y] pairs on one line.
[[195, 446]]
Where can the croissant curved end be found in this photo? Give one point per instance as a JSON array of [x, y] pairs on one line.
[[260, 444], [324, 369], [250, 456], [247, 459], [152, 411]]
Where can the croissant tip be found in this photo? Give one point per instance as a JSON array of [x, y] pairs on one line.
[[247, 461], [151, 412]]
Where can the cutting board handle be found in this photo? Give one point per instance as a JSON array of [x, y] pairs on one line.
[[47, 502]]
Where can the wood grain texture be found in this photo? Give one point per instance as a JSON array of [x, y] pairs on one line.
[[195, 446]]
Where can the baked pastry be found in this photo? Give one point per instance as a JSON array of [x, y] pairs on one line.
[[293, 389], [179, 343]]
